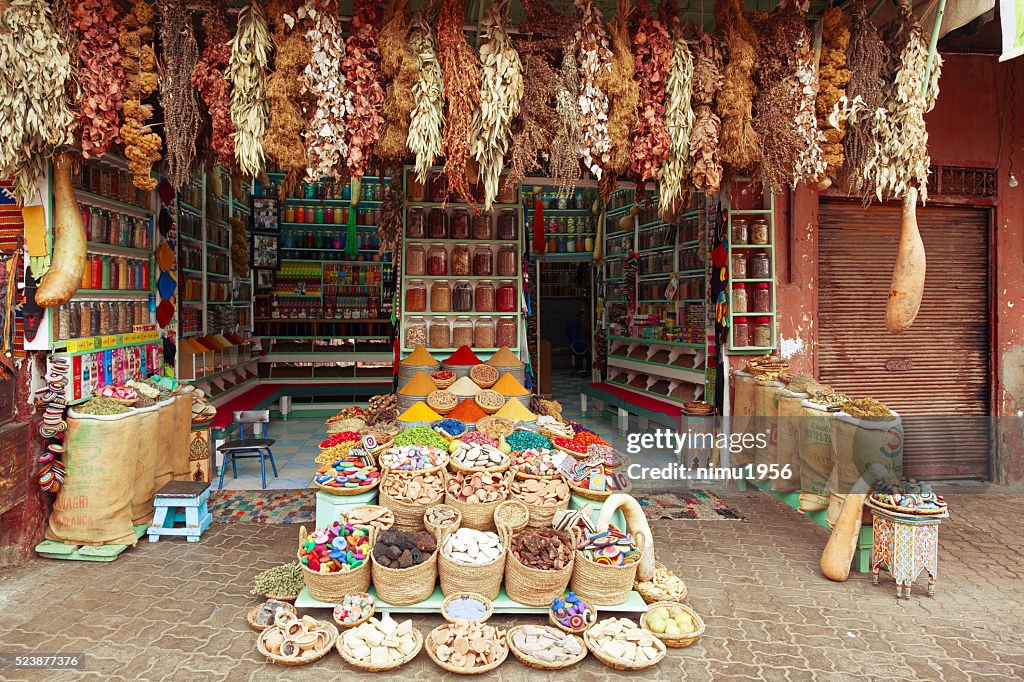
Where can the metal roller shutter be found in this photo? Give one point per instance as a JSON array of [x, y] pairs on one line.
[[936, 374]]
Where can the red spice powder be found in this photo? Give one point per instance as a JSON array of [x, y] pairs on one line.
[[467, 411], [463, 357]]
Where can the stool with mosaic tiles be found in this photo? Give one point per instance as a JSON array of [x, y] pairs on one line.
[[906, 544]]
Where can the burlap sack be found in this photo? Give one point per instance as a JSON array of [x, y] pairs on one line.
[[815, 456], [766, 421], [789, 438], [94, 505], [859, 443], [742, 418], [182, 439], [163, 434], [145, 466]]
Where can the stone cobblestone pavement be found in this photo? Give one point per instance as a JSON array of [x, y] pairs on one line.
[[176, 611]]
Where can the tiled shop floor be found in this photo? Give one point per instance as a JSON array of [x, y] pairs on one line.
[[176, 611]]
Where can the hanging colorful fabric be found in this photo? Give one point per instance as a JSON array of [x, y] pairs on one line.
[[540, 244], [8, 283]]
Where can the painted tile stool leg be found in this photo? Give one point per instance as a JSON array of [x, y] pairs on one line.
[[906, 546]]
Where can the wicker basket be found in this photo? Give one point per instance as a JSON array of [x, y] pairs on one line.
[[484, 426], [331, 587], [650, 598], [346, 656], [429, 470], [498, 468], [368, 616], [522, 476], [482, 579], [619, 664], [408, 516], [435, 405], [675, 641], [347, 492], [429, 647], [470, 595], [533, 586], [541, 515], [597, 495], [405, 586], [476, 371], [489, 409], [538, 664], [443, 384], [604, 585], [479, 516], [368, 506], [437, 530], [332, 637], [498, 521], [252, 612], [573, 631]]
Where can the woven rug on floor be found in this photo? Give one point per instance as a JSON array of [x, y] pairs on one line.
[[689, 505], [263, 506]]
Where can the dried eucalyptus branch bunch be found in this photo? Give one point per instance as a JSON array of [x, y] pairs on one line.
[[287, 97], [652, 60], [177, 96], [704, 140], [400, 71], [247, 72], [208, 78], [623, 98], [594, 56], [141, 144], [833, 77], [462, 89], [100, 73], [674, 176], [740, 147], [34, 104], [809, 164], [365, 96], [427, 119], [564, 154], [325, 132], [501, 93]]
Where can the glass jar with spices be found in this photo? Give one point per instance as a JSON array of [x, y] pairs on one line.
[[507, 261], [441, 296], [415, 332], [462, 296], [739, 266], [506, 332], [85, 319], [507, 224], [759, 232], [485, 296], [415, 224], [415, 260], [740, 332], [460, 261], [416, 296], [459, 224], [63, 323], [437, 224], [462, 332], [763, 332], [760, 266], [506, 297], [483, 261], [124, 318], [762, 297], [482, 226], [438, 188], [104, 315], [738, 304], [484, 332], [740, 232], [440, 333], [437, 260]]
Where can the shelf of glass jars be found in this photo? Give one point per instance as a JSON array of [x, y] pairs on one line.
[[113, 250], [186, 207], [110, 293], [99, 201], [456, 204]]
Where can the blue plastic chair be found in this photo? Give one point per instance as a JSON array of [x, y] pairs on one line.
[[579, 346], [258, 445]]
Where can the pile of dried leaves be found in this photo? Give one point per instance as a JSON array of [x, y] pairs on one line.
[[100, 73], [833, 77], [399, 70], [652, 59], [810, 161], [593, 55], [706, 173], [208, 79], [141, 144], [389, 222], [286, 93], [325, 131], [177, 96], [623, 98], [427, 118], [740, 148], [247, 73], [674, 176], [462, 92], [365, 96]]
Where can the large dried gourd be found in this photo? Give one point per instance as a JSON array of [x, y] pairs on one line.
[[67, 264]]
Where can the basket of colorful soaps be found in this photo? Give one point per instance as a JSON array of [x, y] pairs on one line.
[[335, 560], [352, 475]]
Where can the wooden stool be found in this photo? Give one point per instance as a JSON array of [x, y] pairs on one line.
[[905, 544], [185, 502]]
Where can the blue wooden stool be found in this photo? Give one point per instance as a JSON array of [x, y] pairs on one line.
[[181, 502]]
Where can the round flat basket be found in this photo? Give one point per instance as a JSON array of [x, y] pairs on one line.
[[538, 664], [573, 631], [252, 613], [443, 384], [367, 616], [487, 400], [449, 528], [484, 376], [347, 492], [448, 600], [650, 597], [332, 636], [597, 495], [428, 646], [495, 426], [346, 656], [619, 664], [500, 510], [455, 465], [674, 641], [442, 402]]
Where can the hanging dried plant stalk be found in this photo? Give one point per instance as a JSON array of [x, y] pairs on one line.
[[400, 71], [501, 92], [365, 96], [652, 59], [740, 148], [141, 144], [287, 97], [100, 73], [427, 119], [674, 175], [389, 223], [809, 164], [594, 56], [34, 102], [833, 76], [208, 78], [247, 72], [623, 98], [462, 91], [564, 154], [706, 174], [326, 84], [177, 96]]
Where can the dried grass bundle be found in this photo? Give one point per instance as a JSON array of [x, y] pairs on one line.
[[177, 96], [365, 96], [673, 178], [399, 70], [286, 94], [247, 72], [594, 57], [833, 76], [324, 134], [740, 148], [704, 140], [623, 98], [462, 90], [564, 154], [652, 58], [427, 118]]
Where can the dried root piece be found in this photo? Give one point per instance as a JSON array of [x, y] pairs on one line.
[[623, 98]]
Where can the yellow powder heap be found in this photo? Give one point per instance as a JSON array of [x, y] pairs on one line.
[[419, 412], [419, 385], [509, 387], [504, 358], [420, 358], [464, 386], [514, 410]]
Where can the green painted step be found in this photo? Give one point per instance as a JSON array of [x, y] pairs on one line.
[[51, 549]]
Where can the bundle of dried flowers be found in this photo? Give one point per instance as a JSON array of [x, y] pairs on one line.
[[833, 77], [400, 71], [325, 132], [706, 173], [652, 59], [177, 96], [247, 73], [673, 178], [365, 96], [809, 165], [623, 98], [100, 73], [594, 57], [564, 154], [141, 144], [208, 78], [462, 91], [740, 148], [287, 97], [389, 223], [427, 118]]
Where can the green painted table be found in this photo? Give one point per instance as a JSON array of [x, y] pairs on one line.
[[502, 605]]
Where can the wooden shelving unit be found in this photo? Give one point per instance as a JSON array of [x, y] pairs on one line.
[[760, 207]]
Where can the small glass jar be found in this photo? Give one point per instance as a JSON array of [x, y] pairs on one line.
[[482, 226], [507, 224], [738, 304], [440, 335], [760, 266], [441, 296], [437, 224], [415, 224], [63, 323], [507, 261], [741, 332], [460, 261], [739, 266], [462, 297], [759, 232], [484, 333], [415, 190], [416, 296], [763, 332], [508, 193], [458, 226], [485, 296], [506, 332], [506, 297], [438, 187], [104, 315], [124, 317], [762, 297], [437, 260], [483, 261], [462, 332], [740, 232], [415, 332]]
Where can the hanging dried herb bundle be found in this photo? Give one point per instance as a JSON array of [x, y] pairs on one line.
[[208, 78], [623, 98], [564, 153], [389, 223], [177, 97], [673, 177], [400, 71], [652, 59], [706, 174], [247, 73], [365, 96], [100, 73], [427, 117], [866, 59], [901, 157], [740, 147], [462, 91], [809, 164], [594, 56], [141, 144], [833, 77], [287, 97], [34, 103], [325, 132], [501, 92]]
